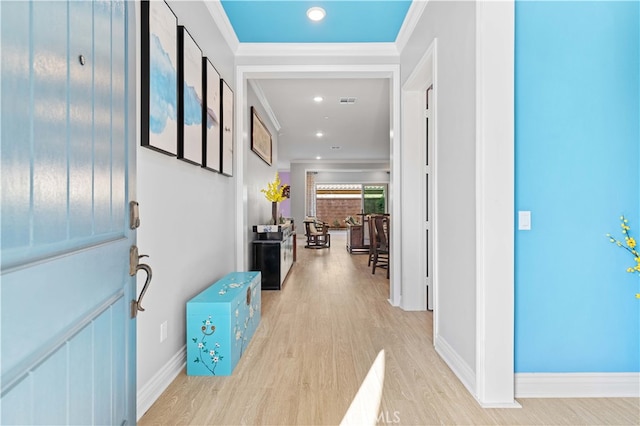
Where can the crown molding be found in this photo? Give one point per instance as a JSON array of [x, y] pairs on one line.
[[257, 89], [341, 161], [319, 71], [376, 50], [318, 49], [410, 22], [223, 24]]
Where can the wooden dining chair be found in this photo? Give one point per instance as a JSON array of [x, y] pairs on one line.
[[379, 256], [317, 233], [372, 238]]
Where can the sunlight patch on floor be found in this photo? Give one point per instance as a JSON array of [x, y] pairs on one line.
[[365, 405]]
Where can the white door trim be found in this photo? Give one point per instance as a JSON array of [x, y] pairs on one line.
[[495, 204], [413, 107], [392, 72]]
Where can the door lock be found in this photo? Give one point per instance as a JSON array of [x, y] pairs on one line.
[[134, 214]]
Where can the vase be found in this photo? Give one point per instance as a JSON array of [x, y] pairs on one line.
[[274, 213]]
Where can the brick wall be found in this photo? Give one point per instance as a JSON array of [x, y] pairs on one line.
[[330, 209]]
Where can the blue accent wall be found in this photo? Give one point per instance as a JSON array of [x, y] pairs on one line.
[[577, 90]]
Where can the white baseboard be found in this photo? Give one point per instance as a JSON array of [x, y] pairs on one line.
[[151, 391], [514, 404], [455, 362], [577, 385]]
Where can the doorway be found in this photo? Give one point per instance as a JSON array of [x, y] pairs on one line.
[[419, 177], [429, 143], [391, 72]]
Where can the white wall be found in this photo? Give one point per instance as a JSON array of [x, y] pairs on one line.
[[356, 176], [187, 227], [453, 23], [257, 174]]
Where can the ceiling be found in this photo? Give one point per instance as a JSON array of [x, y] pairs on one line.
[[285, 21], [351, 130], [356, 131]]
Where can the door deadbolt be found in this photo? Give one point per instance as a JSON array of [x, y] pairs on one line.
[[134, 214]]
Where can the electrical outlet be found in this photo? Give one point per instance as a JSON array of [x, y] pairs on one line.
[[163, 332]]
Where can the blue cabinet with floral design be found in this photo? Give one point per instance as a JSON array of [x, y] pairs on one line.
[[220, 323]]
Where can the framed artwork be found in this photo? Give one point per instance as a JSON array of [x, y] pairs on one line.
[[226, 117], [190, 98], [260, 137], [159, 111], [211, 117]]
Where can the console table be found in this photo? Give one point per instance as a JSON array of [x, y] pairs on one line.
[[273, 253]]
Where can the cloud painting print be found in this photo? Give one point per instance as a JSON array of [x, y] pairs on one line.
[[190, 138], [212, 117], [160, 59], [162, 80]]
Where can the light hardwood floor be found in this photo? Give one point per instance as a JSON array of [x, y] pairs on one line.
[[317, 340]]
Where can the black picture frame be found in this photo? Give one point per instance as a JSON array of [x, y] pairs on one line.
[[159, 91], [190, 98], [226, 128], [261, 142], [211, 133]]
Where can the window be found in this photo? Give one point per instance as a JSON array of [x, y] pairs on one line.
[[374, 200], [335, 202]]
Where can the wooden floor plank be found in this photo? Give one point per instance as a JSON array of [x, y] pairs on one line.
[[315, 344]]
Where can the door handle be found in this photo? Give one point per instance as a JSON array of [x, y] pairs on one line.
[[134, 267]]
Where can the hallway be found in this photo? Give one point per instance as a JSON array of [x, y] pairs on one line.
[[318, 338]]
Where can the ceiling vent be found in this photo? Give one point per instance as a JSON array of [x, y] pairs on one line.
[[345, 100]]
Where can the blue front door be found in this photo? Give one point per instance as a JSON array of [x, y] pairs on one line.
[[68, 343]]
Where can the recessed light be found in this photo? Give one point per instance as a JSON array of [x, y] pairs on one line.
[[319, 134], [318, 99], [316, 13], [318, 158]]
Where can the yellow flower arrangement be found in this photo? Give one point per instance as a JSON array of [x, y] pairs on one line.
[[274, 191], [629, 245]]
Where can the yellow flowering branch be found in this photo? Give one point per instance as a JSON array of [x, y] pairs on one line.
[[629, 245], [274, 191]]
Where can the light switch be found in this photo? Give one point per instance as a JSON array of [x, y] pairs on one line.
[[524, 220], [163, 332]]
